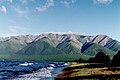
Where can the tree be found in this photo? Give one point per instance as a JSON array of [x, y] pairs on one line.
[[81, 60], [116, 59], [102, 58], [91, 60]]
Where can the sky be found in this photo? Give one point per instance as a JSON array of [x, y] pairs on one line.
[[86, 17]]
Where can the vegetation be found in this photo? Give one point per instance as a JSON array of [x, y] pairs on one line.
[[95, 68], [88, 71], [103, 58], [116, 59], [54, 57], [10, 47], [52, 46], [93, 49], [100, 58]]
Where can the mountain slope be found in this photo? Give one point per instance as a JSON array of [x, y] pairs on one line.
[[11, 46], [94, 48], [56, 43], [70, 44], [40, 47], [106, 42]]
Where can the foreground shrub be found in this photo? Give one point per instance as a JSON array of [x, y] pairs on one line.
[[100, 58], [116, 59]]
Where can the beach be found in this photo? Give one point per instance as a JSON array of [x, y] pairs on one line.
[[89, 71]]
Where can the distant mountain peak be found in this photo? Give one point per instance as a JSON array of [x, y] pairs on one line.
[[69, 42]]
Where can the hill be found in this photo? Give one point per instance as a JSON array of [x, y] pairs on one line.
[[56, 44]]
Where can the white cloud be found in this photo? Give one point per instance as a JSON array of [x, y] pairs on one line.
[[3, 9], [25, 1], [17, 29], [6, 1], [7, 35], [103, 1], [20, 11], [48, 4], [41, 9], [65, 3], [69, 32], [83, 33], [73, 1], [10, 1]]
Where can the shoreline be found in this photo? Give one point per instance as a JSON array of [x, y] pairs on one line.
[[80, 71], [29, 70]]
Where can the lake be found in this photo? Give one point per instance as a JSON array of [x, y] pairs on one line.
[[30, 70]]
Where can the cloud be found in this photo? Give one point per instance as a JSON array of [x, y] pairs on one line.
[[21, 11], [6, 1], [65, 3], [25, 1], [3, 9], [48, 4], [7, 35], [41, 9], [17, 29], [73, 1], [10, 1], [103, 1], [69, 32]]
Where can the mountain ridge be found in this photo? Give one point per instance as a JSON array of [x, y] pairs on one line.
[[70, 43]]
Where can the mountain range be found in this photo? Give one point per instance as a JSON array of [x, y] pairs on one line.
[[51, 46]]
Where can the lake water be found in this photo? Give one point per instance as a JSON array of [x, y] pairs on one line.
[[30, 70]]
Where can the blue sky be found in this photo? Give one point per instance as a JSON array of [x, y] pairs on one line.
[[86, 17]]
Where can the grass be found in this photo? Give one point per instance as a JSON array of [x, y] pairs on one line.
[[89, 71], [57, 57]]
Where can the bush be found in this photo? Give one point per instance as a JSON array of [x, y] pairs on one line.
[[116, 59], [81, 60], [100, 58], [91, 60]]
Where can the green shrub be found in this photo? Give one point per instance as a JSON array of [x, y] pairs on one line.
[[116, 59]]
